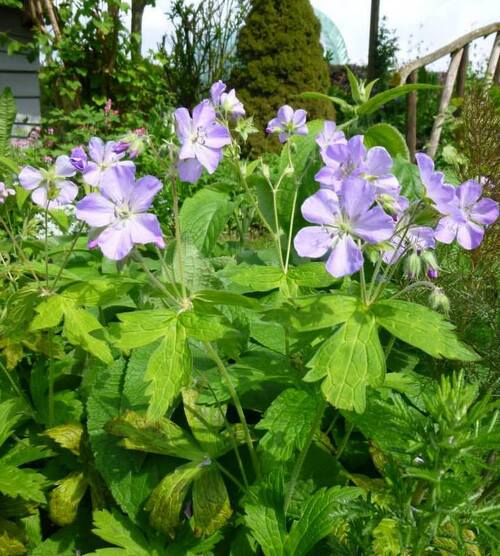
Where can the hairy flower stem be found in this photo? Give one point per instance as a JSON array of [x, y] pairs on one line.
[[362, 278], [51, 380], [68, 255], [46, 223], [290, 231], [154, 280], [237, 404], [277, 233], [415, 285], [316, 426], [343, 444], [178, 236]]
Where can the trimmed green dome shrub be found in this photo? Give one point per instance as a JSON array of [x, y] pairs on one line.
[[279, 56]]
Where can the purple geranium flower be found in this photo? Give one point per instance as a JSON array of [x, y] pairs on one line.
[[416, 238], [330, 136], [466, 216], [103, 158], [202, 140], [435, 188], [50, 188], [117, 214], [341, 223], [288, 123], [342, 160], [5, 192], [227, 103], [78, 159]]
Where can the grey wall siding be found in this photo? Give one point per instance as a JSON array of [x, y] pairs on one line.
[[19, 73]]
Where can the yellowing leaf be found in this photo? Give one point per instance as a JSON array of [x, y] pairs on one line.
[[65, 498], [68, 436], [211, 506]]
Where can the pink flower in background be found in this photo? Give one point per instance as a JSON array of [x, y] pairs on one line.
[[5, 192]]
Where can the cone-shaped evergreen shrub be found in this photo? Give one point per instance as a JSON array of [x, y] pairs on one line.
[[279, 56]]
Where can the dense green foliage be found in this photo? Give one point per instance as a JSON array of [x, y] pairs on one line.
[[279, 55]]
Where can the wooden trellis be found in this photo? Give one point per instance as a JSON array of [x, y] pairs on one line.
[[459, 51]]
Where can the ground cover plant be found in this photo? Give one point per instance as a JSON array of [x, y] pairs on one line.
[[253, 375]]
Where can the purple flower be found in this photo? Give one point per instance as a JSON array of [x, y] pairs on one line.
[[78, 159], [117, 214], [202, 140], [103, 158], [227, 103], [415, 238], [341, 222], [216, 91], [330, 136], [342, 160], [50, 188], [121, 147], [435, 188], [288, 123], [466, 216], [5, 192]]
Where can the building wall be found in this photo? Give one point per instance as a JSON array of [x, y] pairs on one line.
[[18, 73]]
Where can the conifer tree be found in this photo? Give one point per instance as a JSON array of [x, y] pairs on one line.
[[279, 56]]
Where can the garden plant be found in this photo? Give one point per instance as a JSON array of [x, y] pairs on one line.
[[254, 370]]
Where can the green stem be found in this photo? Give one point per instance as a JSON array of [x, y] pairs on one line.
[[277, 232], [419, 284], [51, 380], [343, 444], [154, 280], [303, 453], [67, 256], [178, 238], [15, 387], [237, 404], [389, 346], [290, 231], [363, 285], [17, 247], [46, 220]]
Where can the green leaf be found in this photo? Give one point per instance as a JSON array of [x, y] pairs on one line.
[[423, 328], [10, 415], [129, 478], [345, 106], [206, 327], [355, 86], [49, 313], [264, 515], [287, 421], [386, 538], [10, 164], [165, 503], [68, 436], [409, 178], [315, 523], [22, 482], [312, 275], [168, 370], [140, 328], [65, 498], [386, 135], [204, 216], [227, 298], [351, 359], [211, 505], [8, 113], [376, 102], [253, 278], [314, 312], [116, 529], [156, 437]]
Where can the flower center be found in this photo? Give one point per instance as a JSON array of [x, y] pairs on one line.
[[123, 212], [199, 136]]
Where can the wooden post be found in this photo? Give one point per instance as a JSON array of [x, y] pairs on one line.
[[411, 117], [449, 84], [373, 40], [493, 61], [462, 72]]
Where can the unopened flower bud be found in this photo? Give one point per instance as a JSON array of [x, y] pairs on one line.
[[413, 265], [439, 300], [432, 273], [266, 172]]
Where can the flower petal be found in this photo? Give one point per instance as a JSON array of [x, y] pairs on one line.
[[95, 210], [321, 208], [374, 225], [144, 192], [285, 114], [446, 230], [39, 197], [299, 117], [30, 178], [118, 183], [378, 162], [92, 174], [184, 123], [357, 196], [468, 193], [209, 158], [218, 136], [345, 259], [145, 228], [96, 149], [64, 168], [312, 241], [115, 241], [327, 177], [190, 170], [274, 125], [485, 212], [203, 115], [470, 235], [67, 193]]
